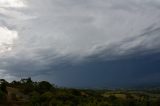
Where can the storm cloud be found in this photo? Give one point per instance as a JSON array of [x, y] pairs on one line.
[[53, 33]]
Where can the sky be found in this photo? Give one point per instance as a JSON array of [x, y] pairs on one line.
[[81, 43]]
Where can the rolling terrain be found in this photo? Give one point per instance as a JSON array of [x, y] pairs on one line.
[[28, 93]]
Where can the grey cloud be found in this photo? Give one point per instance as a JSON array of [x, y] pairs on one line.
[[53, 31], [145, 43]]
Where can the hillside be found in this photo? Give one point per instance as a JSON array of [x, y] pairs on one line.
[[28, 93]]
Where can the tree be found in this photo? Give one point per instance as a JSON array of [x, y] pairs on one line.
[[44, 86], [3, 87], [27, 80], [3, 81]]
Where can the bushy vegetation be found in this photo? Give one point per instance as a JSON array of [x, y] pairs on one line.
[[28, 93]]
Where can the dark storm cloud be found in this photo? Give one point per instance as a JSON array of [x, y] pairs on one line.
[[55, 35], [129, 72]]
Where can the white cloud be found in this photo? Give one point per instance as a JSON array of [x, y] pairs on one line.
[[7, 39], [12, 3]]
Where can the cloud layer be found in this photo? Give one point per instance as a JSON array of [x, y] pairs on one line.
[[84, 28], [51, 32]]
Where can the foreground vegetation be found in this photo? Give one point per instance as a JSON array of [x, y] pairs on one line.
[[28, 93]]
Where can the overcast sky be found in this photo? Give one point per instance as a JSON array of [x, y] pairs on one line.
[[81, 43]]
